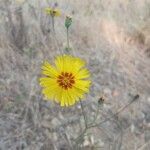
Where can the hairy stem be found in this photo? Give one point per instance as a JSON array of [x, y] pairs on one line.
[[84, 116], [68, 38], [53, 24]]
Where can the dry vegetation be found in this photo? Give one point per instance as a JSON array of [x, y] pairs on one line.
[[113, 36]]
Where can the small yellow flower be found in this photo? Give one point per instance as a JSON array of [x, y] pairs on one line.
[[53, 12], [66, 82]]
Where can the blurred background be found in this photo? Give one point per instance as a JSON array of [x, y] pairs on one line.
[[113, 36]]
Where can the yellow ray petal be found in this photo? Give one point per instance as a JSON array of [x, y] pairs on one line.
[[70, 98], [59, 62], [83, 85], [48, 93], [47, 82], [82, 74], [78, 64], [64, 63], [69, 63], [48, 70], [48, 10]]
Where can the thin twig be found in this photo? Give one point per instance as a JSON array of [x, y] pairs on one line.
[[81, 135], [85, 129], [143, 146], [122, 109], [53, 25], [54, 35], [96, 115], [107, 119], [84, 116]]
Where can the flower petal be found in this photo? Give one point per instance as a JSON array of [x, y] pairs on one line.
[[48, 70], [69, 63], [83, 85], [82, 74], [47, 82]]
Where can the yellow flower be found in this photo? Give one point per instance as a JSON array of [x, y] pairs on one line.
[[53, 12], [67, 81]]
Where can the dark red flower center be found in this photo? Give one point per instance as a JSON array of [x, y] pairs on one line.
[[66, 80]]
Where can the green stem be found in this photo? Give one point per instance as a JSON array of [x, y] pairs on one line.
[[96, 115], [92, 125], [84, 116], [53, 25], [122, 109], [68, 38], [80, 137]]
